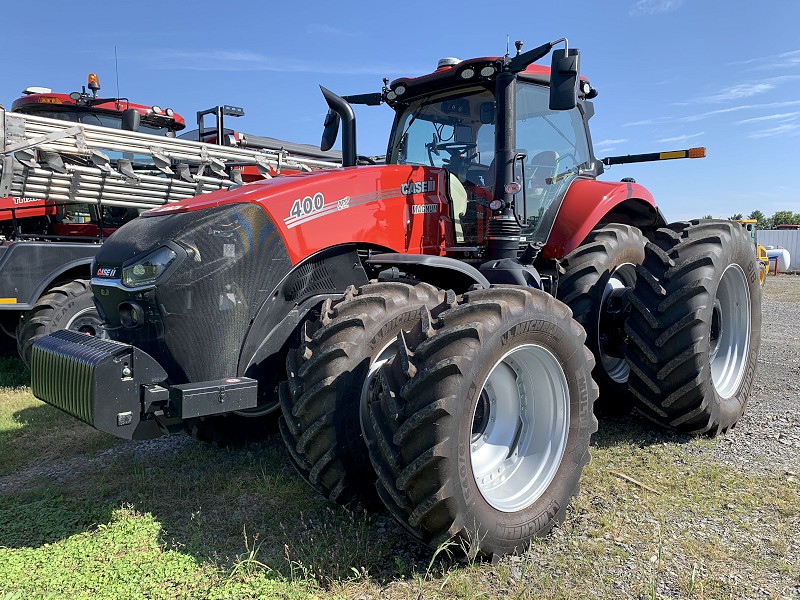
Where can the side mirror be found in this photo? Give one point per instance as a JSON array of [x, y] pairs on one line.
[[131, 119], [331, 131], [564, 72]]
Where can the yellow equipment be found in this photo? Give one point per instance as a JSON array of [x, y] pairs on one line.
[[761, 252]]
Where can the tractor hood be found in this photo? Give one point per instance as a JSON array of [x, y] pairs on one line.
[[186, 282], [184, 287]]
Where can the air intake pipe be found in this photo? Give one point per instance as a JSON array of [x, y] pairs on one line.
[[340, 110]]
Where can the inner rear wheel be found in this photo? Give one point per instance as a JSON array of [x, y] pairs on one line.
[[610, 327], [730, 331]]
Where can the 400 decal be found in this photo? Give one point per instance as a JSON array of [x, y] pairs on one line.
[[307, 206], [312, 207]]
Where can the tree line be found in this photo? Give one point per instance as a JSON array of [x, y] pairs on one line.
[[782, 217]]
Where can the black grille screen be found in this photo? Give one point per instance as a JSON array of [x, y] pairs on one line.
[[235, 258], [309, 279]]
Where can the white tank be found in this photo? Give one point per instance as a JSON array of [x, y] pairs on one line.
[[782, 254]]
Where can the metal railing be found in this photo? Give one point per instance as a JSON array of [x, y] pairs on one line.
[[67, 162]]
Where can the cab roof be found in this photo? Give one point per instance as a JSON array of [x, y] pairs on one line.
[[108, 106], [465, 72]]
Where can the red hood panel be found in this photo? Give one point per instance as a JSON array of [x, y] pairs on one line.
[[394, 207]]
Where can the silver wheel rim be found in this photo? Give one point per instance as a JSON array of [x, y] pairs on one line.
[[624, 276], [730, 331], [367, 389], [87, 321], [519, 428]]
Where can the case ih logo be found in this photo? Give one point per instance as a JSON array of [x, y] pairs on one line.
[[418, 187], [106, 271]]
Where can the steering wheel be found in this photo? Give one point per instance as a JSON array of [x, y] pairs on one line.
[[458, 150]]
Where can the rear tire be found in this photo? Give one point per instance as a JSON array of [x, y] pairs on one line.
[[450, 421], [695, 327], [68, 306], [323, 402], [593, 283]]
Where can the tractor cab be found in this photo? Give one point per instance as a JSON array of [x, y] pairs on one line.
[[457, 129], [512, 136], [90, 109]]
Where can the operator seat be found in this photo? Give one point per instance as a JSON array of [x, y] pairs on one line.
[[458, 200], [542, 167]]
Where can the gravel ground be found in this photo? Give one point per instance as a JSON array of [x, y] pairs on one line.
[[69, 468], [767, 438]]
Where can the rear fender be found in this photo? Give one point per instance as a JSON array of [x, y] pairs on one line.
[[589, 203]]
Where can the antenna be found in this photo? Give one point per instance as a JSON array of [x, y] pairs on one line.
[[116, 68], [508, 41]]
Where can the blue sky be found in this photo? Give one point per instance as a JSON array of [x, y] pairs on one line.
[[671, 74]]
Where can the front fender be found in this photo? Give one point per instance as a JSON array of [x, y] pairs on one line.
[[589, 202]]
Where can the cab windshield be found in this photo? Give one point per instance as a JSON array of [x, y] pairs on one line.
[[457, 132]]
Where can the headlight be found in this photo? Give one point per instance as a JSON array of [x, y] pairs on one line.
[[149, 268]]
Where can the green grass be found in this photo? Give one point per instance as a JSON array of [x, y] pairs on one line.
[[85, 516]]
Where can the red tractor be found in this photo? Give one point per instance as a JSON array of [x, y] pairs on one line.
[[434, 329]]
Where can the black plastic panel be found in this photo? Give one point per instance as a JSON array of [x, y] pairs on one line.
[[198, 316]]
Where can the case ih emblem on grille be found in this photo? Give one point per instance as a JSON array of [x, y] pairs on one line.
[[106, 271]]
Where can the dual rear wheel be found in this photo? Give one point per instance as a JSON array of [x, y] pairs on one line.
[[471, 416], [674, 323]]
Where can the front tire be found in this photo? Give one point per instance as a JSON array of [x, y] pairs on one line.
[[483, 421], [68, 306], [323, 402], [695, 327]]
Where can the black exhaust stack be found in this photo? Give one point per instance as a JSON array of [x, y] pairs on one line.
[[504, 231], [339, 110]]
